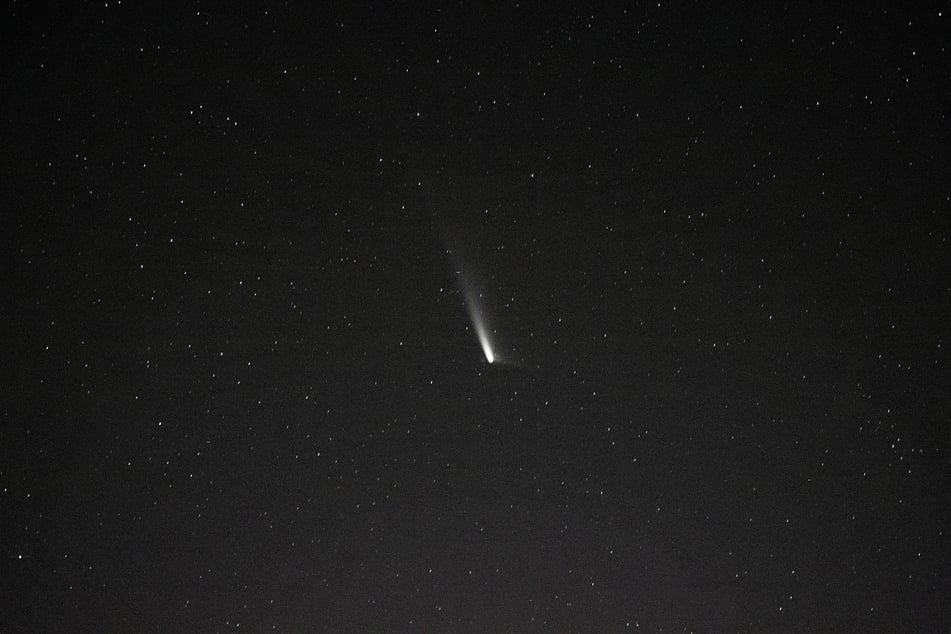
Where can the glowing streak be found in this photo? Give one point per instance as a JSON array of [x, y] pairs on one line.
[[473, 302], [484, 340], [482, 332]]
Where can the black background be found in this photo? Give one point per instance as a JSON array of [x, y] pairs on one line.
[[241, 389]]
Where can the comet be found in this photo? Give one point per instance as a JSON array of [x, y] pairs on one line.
[[471, 295], [479, 324]]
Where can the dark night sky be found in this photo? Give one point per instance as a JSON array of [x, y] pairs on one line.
[[242, 390]]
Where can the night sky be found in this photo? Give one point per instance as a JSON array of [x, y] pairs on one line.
[[257, 261]]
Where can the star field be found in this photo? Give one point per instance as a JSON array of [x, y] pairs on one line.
[[251, 254]]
